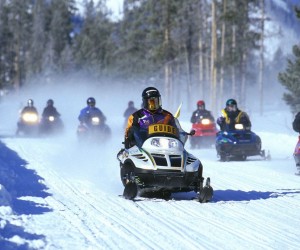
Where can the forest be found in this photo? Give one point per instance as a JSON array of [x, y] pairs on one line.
[[205, 49]]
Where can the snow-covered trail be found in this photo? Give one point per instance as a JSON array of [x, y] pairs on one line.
[[256, 203]]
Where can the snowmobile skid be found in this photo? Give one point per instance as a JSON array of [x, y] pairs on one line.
[[158, 165]]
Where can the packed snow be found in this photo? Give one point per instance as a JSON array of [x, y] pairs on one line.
[[56, 193]]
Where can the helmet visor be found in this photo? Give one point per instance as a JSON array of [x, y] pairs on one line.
[[91, 103], [201, 107], [231, 107], [153, 103]]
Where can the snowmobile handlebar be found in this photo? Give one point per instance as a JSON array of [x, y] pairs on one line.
[[192, 132]]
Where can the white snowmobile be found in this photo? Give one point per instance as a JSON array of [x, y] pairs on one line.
[[156, 165]]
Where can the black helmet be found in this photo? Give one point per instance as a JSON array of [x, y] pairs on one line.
[[151, 99], [231, 102], [91, 102], [50, 102], [231, 105], [30, 103]]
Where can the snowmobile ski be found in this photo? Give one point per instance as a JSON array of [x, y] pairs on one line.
[[206, 193], [130, 190]]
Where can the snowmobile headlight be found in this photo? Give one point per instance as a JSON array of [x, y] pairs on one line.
[[239, 126], [51, 118], [205, 121], [95, 120], [30, 117], [164, 143]]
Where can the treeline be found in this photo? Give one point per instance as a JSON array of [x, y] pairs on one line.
[[290, 77], [208, 48]]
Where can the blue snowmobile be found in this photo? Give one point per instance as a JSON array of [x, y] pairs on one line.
[[238, 144]]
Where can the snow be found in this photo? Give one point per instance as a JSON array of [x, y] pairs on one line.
[[58, 194]]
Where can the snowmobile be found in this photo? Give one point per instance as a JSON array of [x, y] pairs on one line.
[[238, 144], [93, 130], [205, 133], [156, 164], [297, 156], [50, 125], [28, 124]]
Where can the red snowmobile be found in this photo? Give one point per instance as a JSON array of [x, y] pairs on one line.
[[205, 133]]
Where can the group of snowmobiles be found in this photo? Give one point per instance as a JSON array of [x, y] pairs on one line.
[[235, 142], [158, 164], [31, 124], [92, 127]]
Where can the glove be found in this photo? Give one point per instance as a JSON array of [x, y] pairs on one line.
[[220, 120]]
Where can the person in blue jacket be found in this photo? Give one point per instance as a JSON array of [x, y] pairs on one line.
[[90, 111]]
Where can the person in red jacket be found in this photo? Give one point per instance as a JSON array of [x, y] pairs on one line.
[[201, 113]]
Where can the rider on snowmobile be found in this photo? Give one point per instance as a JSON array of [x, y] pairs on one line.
[[27, 109], [151, 113], [90, 111], [231, 115], [201, 113], [50, 110]]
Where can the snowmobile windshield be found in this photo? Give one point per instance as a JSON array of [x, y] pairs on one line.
[[162, 130]]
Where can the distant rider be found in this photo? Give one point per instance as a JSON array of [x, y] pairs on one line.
[[50, 110], [27, 109], [90, 111], [201, 113], [50, 118], [231, 115], [151, 113], [130, 110]]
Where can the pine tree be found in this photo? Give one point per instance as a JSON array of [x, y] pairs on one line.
[[290, 79], [5, 52], [20, 27], [93, 47], [60, 29], [38, 38]]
